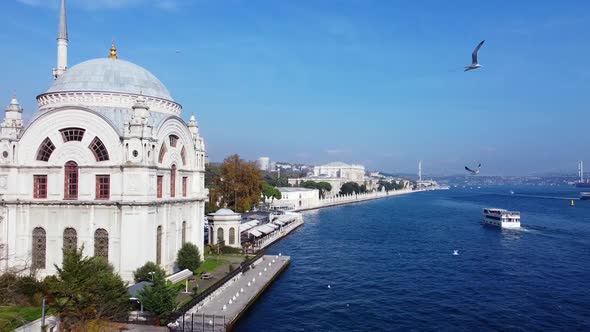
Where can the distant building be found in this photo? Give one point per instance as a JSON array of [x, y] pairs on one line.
[[337, 174], [263, 164], [296, 198]]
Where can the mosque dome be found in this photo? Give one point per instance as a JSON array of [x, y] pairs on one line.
[[110, 75]]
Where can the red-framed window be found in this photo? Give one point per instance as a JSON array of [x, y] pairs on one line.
[[72, 134], [45, 150], [173, 140], [184, 185], [173, 181], [103, 186], [71, 179], [40, 186], [99, 149], [159, 186]]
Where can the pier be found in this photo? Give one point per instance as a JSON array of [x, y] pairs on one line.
[[221, 310]]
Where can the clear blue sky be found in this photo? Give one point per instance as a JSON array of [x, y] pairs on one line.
[[372, 82]]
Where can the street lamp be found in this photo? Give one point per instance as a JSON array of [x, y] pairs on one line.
[[151, 273]]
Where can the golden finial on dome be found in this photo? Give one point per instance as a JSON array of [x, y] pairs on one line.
[[113, 54]]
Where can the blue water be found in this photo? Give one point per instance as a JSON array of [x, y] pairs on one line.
[[391, 267]]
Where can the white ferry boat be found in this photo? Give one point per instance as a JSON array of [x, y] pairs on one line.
[[501, 218]]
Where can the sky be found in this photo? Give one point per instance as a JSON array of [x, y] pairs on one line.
[[379, 83]]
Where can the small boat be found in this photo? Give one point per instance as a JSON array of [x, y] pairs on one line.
[[501, 218], [572, 202], [511, 192]]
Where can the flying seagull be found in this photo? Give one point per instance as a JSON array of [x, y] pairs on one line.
[[473, 171], [474, 63]]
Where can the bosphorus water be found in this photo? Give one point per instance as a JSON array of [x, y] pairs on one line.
[[390, 266]]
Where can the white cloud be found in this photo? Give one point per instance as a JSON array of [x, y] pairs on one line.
[[104, 4]]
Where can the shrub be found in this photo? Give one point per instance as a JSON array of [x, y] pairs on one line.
[[160, 298], [188, 257], [143, 273]]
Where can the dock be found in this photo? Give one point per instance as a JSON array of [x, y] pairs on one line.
[[222, 309]]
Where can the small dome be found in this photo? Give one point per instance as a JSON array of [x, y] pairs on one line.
[[110, 75], [224, 212]]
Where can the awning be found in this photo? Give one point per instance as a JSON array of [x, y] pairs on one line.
[[278, 222], [273, 226], [265, 229], [248, 225], [255, 233]]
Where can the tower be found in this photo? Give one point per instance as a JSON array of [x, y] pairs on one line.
[[581, 171], [62, 43], [420, 170]]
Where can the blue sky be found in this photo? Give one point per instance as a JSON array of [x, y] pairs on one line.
[[372, 82]]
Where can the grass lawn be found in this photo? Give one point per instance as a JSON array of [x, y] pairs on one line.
[[210, 264], [13, 317]]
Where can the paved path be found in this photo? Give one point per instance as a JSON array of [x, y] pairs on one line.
[[257, 278]]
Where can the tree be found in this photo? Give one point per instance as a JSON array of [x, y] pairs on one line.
[[239, 184], [86, 290], [143, 273], [269, 191], [350, 188], [188, 257], [323, 187], [159, 298]]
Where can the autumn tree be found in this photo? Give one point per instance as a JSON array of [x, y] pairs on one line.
[[239, 184]]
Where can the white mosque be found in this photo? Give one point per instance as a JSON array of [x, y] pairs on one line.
[[106, 163]]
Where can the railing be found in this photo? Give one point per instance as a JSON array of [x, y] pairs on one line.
[[243, 267], [200, 323]]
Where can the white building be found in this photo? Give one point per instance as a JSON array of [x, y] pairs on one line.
[[263, 164], [341, 170], [337, 174], [224, 227], [296, 198], [106, 163]]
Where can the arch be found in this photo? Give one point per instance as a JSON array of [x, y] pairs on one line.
[[173, 140], [70, 239], [183, 232], [163, 151], [101, 243], [183, 155], [219, 235], [232, 235], [39, 250], [45, 150], [173, 181], [99, 149], [71, 179], [159, 245]]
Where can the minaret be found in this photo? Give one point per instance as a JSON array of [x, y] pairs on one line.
[[420, 170], [13, 120], [62, 43]]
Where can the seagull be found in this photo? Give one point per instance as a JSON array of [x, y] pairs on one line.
[[455, 252], [474, 63], [473, 171]]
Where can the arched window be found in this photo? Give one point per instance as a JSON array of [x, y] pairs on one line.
[[183, 155], [232, 236], [45, 150], [173, 181], [220, 235], [162, 153], [39, 248], [72, 134], [101, 243], [173, 140], [70, 239], [183, 232], [159, 245], [71, 178], [99, 149]]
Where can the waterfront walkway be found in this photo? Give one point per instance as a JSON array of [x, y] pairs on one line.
[[223, 308], [356, 198]]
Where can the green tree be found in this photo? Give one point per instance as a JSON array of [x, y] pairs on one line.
[[350, 188], [143, 273], [188, 257], [269, 191], [159, 298], [323, 187], [86, 289]]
